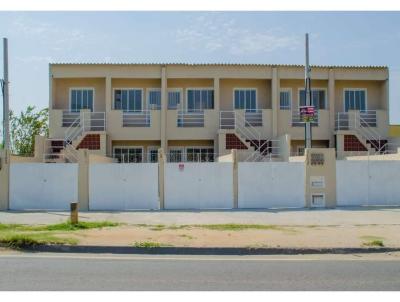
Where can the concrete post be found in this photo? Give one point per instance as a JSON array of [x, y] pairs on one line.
[[331, 104], [74, 212], [320, 176], [83, 179], [109, 107], [235, 179], [274, 101], [40, 142], [4, 180], [164, 105], [284, 147], [216, 95], [161, 177]]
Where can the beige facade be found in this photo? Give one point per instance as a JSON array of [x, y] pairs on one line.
[[258, 89]]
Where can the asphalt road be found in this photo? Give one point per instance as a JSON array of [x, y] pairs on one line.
[[146, 272]]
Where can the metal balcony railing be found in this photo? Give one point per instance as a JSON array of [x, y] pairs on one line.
[[190, 119], [136, 118]]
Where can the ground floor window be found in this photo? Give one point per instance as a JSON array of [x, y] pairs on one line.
[[195, 154], [152, 154], [128, 154], [175, 155], [191, 154]]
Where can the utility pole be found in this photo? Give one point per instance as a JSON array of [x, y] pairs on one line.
[[6, 106], [308, 132]]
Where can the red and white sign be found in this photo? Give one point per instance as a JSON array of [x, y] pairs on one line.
[[307, 113]]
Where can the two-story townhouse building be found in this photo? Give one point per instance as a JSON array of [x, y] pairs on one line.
[[198, 112]]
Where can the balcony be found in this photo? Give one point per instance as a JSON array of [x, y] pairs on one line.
[[190, 119], [231, 119], [136, 118]]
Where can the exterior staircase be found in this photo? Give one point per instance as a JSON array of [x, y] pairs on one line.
[[65, 150], [258, 149], [362, 126]]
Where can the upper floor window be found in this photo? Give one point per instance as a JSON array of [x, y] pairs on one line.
[[174, 98], [81, 98], [285, 99], [318, 98], [128, 99], [200, 99], [245, 99], [154, 98], [355, 99]]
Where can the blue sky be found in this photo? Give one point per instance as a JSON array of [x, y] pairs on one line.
[[337, 38]]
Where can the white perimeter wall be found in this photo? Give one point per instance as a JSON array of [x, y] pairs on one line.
[[123, 186], [199, 186], [361, 182], [271, 185], [43, 186]]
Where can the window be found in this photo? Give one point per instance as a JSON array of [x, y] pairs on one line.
[[300, 150], [285, 99], [174, 99], [176, 155], [152, 154], [128, 99], [154, 99], [318, 98], [81, 98], [200, 99], [355, 99], [194, 154], [128, 154], [245, 99]]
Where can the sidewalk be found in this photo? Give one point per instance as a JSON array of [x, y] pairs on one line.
[[339, 216]]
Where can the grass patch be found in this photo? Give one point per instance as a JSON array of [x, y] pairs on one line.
[[186, 236], [65, 226], [373, 241], [240, 227], [20, 240], [161, 227], [149, 244]]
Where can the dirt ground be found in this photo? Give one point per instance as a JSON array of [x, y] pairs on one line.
[[276, 236]]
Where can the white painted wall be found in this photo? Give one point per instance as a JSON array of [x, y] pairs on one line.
[[362, 182], [199, 186], [271, 185], [39, 186], [123, 186]]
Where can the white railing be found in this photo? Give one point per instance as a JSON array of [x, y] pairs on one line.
[[268, 151], [297, 121], [68, 117], [190, 119], [136, 118], [244, 125], [364, 123]]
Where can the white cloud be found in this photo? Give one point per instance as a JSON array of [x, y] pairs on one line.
[[214, 32], [59, 37]]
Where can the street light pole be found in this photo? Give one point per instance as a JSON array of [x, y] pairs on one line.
[[6, 106], [308, 132]]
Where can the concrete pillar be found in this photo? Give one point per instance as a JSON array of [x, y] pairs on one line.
[[109, 104], [83, 179], [235, 179], [331, 105], [320, 176], [51, 80], [275, 99], [161, 177], [164, 105], [40, 143], [216, 95], [284, 147], [4, 179]]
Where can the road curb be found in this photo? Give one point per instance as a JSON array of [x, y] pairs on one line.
[[201, 250]]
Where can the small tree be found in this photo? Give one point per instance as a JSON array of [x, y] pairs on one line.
[[24, 127]]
